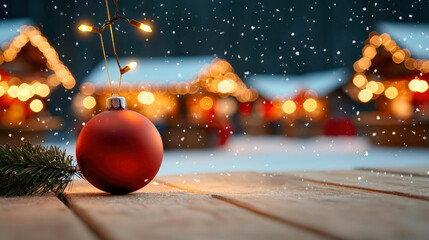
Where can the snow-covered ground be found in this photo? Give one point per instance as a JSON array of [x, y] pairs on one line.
[[276, 153]]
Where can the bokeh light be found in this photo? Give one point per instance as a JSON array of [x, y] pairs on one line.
[[89, 102], [224, 86], [289, 106], [365, 95], [310, 105], [36, 105], [391, 92], [206, 103], [146, 97]]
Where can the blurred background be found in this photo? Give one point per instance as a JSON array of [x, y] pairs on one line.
[[237, 78]]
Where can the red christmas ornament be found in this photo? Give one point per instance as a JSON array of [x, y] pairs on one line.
[[119, 151]]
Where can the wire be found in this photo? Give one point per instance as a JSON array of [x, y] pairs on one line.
[[113, 41], [85, 28], [120, 80], [105, 60]]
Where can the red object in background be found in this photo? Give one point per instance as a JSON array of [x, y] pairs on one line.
[[4, 75], [245, 108], [270, 112], [420, 98], [338, 127], [225, 132], [119, 151]]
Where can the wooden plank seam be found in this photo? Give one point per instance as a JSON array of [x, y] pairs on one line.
[[393, 172], [400, 194], [92, 226], [261, 213]]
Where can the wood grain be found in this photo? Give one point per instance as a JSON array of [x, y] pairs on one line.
[[161, 212], [421, 171], [39, 217], [382, 182], [339, 211]]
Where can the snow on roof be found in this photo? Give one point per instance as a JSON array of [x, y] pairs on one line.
[[412, 36], [159, 69], [9, 28], [322, 83]]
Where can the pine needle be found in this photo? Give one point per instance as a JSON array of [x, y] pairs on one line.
[[29, 170]]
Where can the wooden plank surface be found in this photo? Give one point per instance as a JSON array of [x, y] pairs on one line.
[[383, 182], [161, 212], [341, 212], [39, 217], [421, 171]]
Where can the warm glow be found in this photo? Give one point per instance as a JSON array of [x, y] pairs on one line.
[[146, 97], [402, 108], [310, 105], [206, 103], [391, 92], [42, 90], [2, 91], [13, 91], [132, 65], [370, 52], [224, 86], [365, 95], [423, 86], [145, 28], [25, 92], [417, 85], [398, 56], [380, 88], [289, 106], [89, 102], [359, 80], [372, 86], [85, 28], [36, 105], [414, 85]]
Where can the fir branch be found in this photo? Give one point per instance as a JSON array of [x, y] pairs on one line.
[[28, 170]]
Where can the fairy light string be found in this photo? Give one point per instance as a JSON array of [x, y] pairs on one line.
[[105, 60], [116, 17]]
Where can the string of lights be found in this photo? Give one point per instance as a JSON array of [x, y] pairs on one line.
[[109, 23]]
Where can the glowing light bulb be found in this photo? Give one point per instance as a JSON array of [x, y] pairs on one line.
[[85, 28], [289, 106], [36, 105], [140, 25], [145, 28], [127, 68], [132, 65]]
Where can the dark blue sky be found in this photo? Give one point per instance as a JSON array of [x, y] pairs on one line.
[[255, 36]]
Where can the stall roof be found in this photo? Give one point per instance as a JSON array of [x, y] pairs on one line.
[[412, 36], [322, 83], [159, 69], [9, 28]]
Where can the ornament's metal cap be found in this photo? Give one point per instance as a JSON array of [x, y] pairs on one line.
[[116, 103]]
